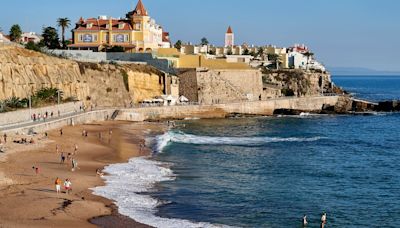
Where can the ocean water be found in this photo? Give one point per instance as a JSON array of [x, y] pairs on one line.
[[270, 171]]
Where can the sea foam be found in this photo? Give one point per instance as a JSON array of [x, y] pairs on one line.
[[126, 184], [179, 137]]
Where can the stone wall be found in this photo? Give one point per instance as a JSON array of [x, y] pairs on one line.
[[209, 86], [83, 118], [308, 104], [10, 118], [188, 84], [97, 57]]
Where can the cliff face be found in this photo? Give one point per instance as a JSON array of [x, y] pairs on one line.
[[22, 72], [298, 83]]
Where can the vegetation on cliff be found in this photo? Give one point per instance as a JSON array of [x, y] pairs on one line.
[[42, 97]]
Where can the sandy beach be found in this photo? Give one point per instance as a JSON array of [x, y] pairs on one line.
[[29, 199]]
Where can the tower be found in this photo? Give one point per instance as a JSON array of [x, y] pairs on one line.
[[229, 38]]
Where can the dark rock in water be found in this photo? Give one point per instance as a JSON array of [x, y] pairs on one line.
[[287, 112], [388, 106], [344, 105], [328, 109]]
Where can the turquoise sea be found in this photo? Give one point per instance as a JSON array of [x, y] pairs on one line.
[[270, 171]]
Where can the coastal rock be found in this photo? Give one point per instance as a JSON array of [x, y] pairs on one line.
[[388, 106], [299, 83]]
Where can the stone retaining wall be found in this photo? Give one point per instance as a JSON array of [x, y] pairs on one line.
[[83, 118], [20, 116], [223, 110]]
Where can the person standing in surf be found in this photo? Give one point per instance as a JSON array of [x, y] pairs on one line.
[[323, 220]]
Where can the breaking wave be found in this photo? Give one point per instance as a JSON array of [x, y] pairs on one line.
[[179, 137], [127, 184]]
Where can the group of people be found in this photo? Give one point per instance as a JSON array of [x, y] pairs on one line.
[[70, 157], [67, 185], [323, 220], [24, 141], [43, 117]]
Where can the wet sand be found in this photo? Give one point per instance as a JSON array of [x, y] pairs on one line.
[[30, 200]]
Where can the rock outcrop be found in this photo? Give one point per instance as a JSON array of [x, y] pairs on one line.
[[22, 72], [299, 83]]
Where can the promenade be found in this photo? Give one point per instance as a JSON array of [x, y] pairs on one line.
[[139, 114]]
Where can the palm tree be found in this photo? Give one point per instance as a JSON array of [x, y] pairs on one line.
[[274, 58], [63, 23]]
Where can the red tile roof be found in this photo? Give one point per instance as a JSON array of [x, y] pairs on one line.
[[101, 24], [165, 37], [229, 30], [140, 10]]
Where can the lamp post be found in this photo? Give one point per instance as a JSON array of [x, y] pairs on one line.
[[30, 106], [58, 102]]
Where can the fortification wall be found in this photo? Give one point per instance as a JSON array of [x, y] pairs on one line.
[[210, 86]]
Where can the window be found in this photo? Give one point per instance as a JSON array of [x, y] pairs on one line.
[[126, 38], [80, 37], [121, 26]]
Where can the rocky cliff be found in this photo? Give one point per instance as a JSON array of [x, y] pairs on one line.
[[298, 83], [22, 72]]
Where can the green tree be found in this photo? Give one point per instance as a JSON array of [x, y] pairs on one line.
[[229, 52], [15, 33], [275, 59], [115, 49], [33, 46], [63, 23], [178, 45], [260, 51], [211, 52], [50, 38], [204, 41], [246, 52]]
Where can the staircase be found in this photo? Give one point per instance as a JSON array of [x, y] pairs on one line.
[[238, 92], [115, 114]]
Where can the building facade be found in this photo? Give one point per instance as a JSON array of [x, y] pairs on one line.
[[137, 32], [30, 37]]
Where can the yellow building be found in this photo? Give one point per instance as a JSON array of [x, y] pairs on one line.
[[138, 32]]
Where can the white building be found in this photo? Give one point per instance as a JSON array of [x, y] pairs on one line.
[[30, 36], [3, 38]]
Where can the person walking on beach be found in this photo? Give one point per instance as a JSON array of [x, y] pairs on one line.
[[58, 185], [61, 132], [74, 164], [5, 138], [305, 222], [62, 158], [76, 149], [67, 186], [36, 169], [323, 220]]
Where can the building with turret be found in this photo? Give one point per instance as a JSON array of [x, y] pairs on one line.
[[229, 38], [136, 32]]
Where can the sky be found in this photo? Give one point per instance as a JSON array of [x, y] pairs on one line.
[[341, 33]]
